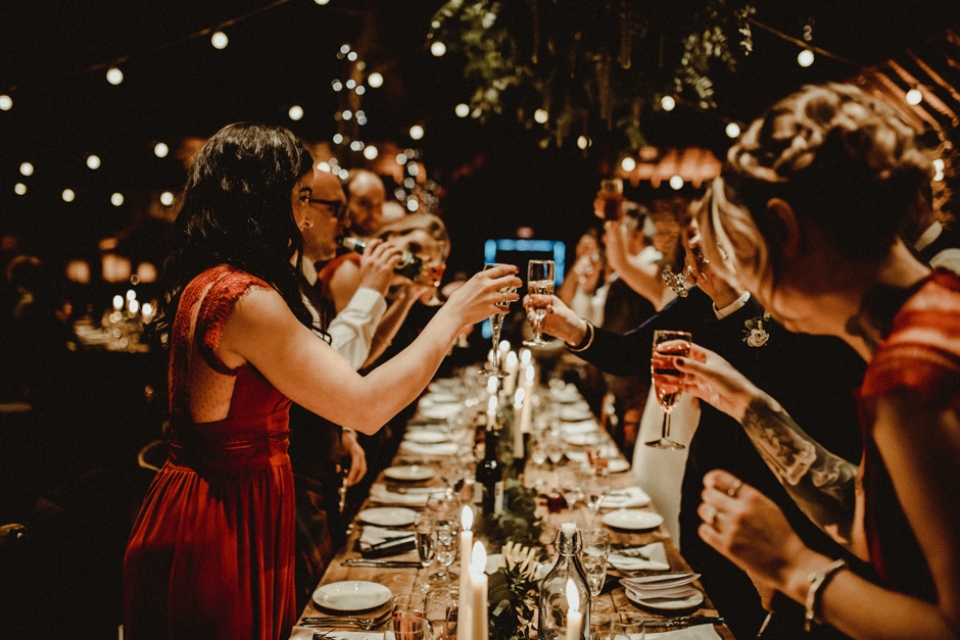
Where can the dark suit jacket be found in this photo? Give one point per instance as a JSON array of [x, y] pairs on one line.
[[813, 377]]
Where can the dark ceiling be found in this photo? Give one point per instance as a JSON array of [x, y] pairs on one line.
[[54, 54]]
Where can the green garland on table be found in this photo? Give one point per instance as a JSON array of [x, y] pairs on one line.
[[513, 589]]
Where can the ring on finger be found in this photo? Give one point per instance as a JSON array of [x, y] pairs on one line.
[[711, 519], [503, 299], [734, 489]]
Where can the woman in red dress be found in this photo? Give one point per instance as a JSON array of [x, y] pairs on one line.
[[212, 552], [806, 216]]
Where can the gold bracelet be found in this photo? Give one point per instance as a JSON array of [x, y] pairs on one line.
[[585, 343], [817, 582]]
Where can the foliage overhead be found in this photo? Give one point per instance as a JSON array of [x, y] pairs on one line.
[[592, 65]]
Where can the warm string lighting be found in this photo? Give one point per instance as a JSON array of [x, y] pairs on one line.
[[6, 102], [219, 40]]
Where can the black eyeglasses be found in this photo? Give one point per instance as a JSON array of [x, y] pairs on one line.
[[339, 207]]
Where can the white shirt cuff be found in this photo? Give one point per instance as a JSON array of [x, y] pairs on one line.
[[732, 307]]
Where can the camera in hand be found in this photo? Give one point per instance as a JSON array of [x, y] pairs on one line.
[[409, 266]]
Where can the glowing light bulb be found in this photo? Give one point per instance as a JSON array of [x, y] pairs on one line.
[[295, 112], [116, 199], [337, 138], [356, 145], [668, 103], [805, 58], [68, 195], [161, 150], [583, 142], [361, 90], [344, 174], [462, 110], [628, 163], [323, 166], [733, 130], [375, 80], [541, 116], [351, 83], [370, 152], [6, 102], [345, 48], [416, 132], [347, 115], [352, 56], [438, 48], [321, 2], [401, 158], [20, 188], [412, 205], [914, 96], [219, 40], [26, 169], [93, 161], [337, 85], [676, 182], [166, 198], [114, 76]]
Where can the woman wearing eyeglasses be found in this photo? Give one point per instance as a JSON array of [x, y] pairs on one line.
[[211, 554]]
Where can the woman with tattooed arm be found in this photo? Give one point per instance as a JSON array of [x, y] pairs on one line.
[[807, 213]]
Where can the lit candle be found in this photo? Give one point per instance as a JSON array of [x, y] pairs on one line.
[[478, 593], [117, 303], [519, 401], [574, 617], [510, 382], [466, 548], [492, 412]]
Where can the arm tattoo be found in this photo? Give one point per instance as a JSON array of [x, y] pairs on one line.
[[821, 483]]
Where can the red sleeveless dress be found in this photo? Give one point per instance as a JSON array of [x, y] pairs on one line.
[[212, 552]]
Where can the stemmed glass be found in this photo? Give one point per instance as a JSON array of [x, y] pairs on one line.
[[667, 347], [496, 324], [540, 280], [442, 609], [627, 625], [434, 275], [596, 550], [594, 493], [447, 546], [426, 545]]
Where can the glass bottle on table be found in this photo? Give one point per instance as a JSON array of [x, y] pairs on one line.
[[552, 601], [489, 475]]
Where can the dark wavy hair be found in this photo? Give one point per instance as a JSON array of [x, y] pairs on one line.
[[236, 210]]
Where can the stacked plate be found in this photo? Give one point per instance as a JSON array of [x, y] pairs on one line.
[[668, 592]]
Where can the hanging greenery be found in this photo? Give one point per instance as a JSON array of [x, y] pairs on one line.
[[576, 67]]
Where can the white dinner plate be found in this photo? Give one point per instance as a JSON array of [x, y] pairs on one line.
[[409, 473], [440, 398], [575, 413], [689, 599], [633, 519], [425, 436], [388, 516], [352, 595], [582, 439], [617, 465]]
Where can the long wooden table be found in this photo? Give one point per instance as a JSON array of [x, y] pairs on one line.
[[603, 606]]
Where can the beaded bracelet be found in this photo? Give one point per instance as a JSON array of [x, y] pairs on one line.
[[817, 582]]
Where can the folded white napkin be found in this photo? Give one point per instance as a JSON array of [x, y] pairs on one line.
[[440, 449], [623, 498], [375, 535], [655, 551], [695, 632], [662, 585], [379, 493]]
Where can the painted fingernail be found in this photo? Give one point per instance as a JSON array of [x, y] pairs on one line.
[[680, 361]]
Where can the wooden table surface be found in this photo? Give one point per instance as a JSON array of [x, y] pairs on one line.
[[408, 579]]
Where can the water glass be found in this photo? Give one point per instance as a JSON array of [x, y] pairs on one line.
[[627, 625], [442, 611], [596, 550], [448, 543], [409, 616]]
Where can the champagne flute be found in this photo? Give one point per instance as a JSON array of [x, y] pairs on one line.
[[667, 347], [426, 545], [433, 276], [540, 280], [496, 324]]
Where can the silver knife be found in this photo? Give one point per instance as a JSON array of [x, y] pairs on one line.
[[687, 620], [394, 564]]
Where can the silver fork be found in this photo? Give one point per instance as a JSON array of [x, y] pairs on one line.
[[367, 624]]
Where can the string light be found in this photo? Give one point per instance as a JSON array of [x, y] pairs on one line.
[[347, 115], [676, 182], [161, 150], [668, 103], [68, 195], [93, 162], [351, 83], [323, 166], [345, 49], [438, 48], [370, 152], [321, 2], [352, 56], [583, 142], [26, 169], [337, 138], [401, 158], [337, 85], [6, 102], [361, 90], [356, 145], [416, 132], [166, 198], [412, 205], [20, 189], [628, 164], [733, 130], [219, 40], [344, 174], [116, 199], [295, 112], [914, 97], [413, 169], [114, 76], [938, 166], [805, 58], [462, 110], [375, 80], [541, 116]]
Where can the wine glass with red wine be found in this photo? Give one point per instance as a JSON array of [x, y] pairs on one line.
[[667, 347]]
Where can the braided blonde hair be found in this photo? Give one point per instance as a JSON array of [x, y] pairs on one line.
[[842, 160]]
